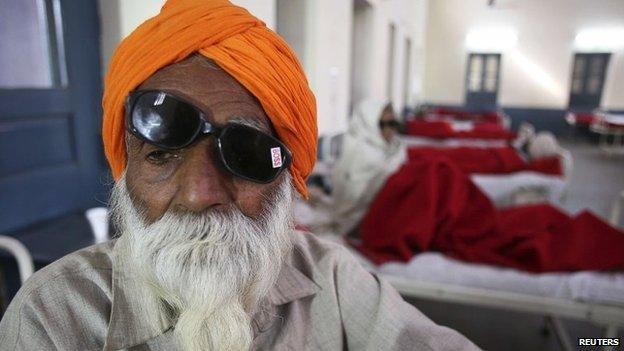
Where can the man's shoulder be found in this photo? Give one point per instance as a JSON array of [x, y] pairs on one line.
[[83, 263], [68, 297], [315, 247], [313, 253], [73, 274]]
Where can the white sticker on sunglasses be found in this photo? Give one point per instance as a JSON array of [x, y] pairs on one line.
[[276, 157]]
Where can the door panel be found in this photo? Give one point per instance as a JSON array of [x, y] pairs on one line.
[[482, 78], [49, 139], [50, 152], [588, 75]]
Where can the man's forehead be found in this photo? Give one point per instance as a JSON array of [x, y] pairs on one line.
[[195, 71]]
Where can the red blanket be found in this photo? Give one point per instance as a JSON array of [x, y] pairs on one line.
[[584, 119], [498, 160], [460, 115], [444, 129], [431, 205]]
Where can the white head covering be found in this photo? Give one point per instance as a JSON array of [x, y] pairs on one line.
[[366, 162], [544, 145], [364, 124]]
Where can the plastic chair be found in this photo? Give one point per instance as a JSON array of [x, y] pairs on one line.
[[98, 220], [24, 260]]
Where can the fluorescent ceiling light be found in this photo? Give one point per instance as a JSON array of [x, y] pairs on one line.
[[600, 39], [491, 39]]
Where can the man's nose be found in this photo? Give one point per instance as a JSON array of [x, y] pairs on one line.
[[203, 184]]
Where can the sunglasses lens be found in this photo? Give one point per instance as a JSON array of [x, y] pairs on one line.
[[252, 154], [389, 124], [164, 120]]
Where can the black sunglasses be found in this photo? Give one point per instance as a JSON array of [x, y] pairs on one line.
[[170, 123], [389, 124]]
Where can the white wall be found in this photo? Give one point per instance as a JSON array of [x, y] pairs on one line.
[[361, 60], [120, 17], [340, 78], [536, 71], [290, 24], [327, 60], [409, 18], [372, 75]]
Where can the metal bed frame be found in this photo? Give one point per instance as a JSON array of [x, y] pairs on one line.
[[610, 317]]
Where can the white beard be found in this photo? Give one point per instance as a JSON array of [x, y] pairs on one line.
[[210, 270]]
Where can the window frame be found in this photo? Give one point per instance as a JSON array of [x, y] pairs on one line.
[[482, 96], [586, 100]]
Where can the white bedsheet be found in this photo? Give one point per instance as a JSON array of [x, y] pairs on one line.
[[585, 286], [453, 142], [502, 188], [580, 286]]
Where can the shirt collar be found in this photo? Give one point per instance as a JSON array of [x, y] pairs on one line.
[[137, 318]]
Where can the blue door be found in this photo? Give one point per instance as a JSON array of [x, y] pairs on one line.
[[51, 161], [588, 76], [482, 76]]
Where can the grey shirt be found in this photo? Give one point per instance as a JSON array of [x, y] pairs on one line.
[[323, 300]]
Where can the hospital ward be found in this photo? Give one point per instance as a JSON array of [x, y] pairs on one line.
[[238, 175]]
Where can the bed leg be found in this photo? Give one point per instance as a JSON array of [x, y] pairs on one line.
[[616, 210], [560, 332], [545, 329], [611, 331]]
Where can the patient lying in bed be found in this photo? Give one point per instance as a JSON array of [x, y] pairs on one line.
[[371, 153], [538, 172], [428, 203], [431, 205]]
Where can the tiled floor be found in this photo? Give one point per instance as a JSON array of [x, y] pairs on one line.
[[595, 183], [500, 330], [597, 178]]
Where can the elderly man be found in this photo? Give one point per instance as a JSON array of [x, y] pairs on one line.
[[209, 127]]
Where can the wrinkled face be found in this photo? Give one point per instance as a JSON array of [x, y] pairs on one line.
[[192, 179]]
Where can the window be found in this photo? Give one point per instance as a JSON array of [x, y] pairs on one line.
[[588, 75], [482, 79], [31, 45]]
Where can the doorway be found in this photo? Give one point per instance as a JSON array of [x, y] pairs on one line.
[[51, 155], [588, 76]]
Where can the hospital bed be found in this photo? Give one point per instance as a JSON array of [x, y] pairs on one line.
[[445, 129], [592, 297], [445, 123], [411, 140], [596, 298], [527, 186], [503, 189], [610, 128], [452, 114], [580, 119]]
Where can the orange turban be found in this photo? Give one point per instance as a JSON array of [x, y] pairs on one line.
[[238, 42]]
